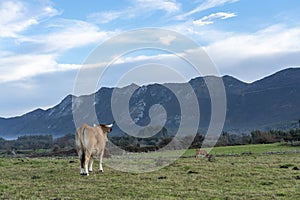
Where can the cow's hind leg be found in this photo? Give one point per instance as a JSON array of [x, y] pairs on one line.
[[86, 163], [100, 161], [81, 160], [91, 164]]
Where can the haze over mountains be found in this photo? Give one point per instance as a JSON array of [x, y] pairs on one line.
[[270, 103]]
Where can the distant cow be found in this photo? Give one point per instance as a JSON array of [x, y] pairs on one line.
[[201, 152], [90, 143]]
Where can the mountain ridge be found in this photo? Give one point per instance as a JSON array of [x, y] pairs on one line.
[[268, 103]]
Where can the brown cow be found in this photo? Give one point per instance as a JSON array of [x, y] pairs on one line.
[[201, 152], [90, 142]]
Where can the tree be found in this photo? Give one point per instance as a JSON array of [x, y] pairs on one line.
[[66, 141], [197, 143], [223, 139], [260, 137]]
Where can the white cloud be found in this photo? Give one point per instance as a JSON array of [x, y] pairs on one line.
[[248, 56], [255, 54], [17, 16], [44, 50], [105, 17], [209, 19], [167, 5], [12, 19], [207, 4], [139, 8], [17, 67], [274, 39], [203, 35], [39, 53], [142, 58], [72, 34], [166, 40]]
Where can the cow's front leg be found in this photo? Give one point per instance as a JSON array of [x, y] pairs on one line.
[[91, 164], [100, 161]]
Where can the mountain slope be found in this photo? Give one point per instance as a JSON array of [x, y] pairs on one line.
[[272, 102], [269, 103]]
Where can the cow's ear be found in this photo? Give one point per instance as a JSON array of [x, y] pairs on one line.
[[108, 130]]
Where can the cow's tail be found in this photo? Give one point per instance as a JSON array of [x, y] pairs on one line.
[[82, 159], [80, 145]]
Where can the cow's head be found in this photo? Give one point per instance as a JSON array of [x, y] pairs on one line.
[[106, 128]]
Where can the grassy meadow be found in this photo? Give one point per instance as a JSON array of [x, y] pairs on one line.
[[249, 149], [249, 176]]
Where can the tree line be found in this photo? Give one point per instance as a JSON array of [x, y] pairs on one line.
[[35, 142], [129, 143], [291, 136]]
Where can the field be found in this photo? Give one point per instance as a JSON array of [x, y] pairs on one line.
[[235, 174], [250, 149]]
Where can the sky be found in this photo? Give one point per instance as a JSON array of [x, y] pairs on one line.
[[44, 43]]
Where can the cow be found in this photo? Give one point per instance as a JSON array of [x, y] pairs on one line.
[[90, 142], [201, 152]]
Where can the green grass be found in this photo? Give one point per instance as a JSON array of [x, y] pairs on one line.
[[257, 176], [254, 149]]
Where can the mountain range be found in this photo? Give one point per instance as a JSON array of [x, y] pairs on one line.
[[270, 103]]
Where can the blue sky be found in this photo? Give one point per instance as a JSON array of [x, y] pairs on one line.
[[43, 43]]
